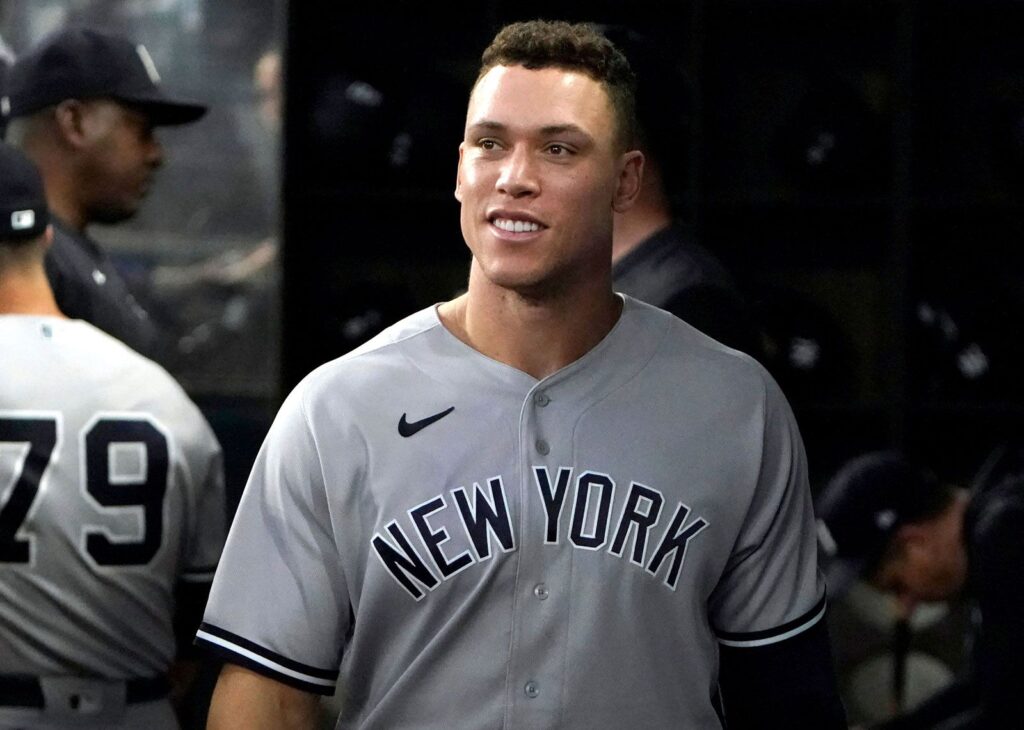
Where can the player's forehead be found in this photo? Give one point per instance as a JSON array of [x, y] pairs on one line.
[[519, 99]]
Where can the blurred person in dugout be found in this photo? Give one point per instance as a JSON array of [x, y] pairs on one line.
[[897, 526], [112, 513], [83, 105], [655, 255], [6, 59], [233, 294], [261, 130]]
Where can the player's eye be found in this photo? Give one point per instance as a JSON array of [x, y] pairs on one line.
[[558, 150], [488, 144]]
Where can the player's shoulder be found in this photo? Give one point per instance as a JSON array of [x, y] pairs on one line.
[[67, 252], [378, 357], [682, 339], [361, 375], [115, 371], [110, 353], [70, 340], [687, 355]]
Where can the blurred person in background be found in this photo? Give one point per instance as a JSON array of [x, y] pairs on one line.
[[655, 255], [910, 535], [112, 512], [83, 105], [6, 59]]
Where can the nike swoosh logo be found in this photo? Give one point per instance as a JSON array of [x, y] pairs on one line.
[[408, 429]]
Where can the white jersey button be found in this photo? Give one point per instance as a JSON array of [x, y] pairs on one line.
[[531, 689], [541, 591], [541, 399], [542, 446]]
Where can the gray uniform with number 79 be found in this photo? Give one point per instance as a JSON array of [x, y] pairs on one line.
[[480, 549], [111, 491]]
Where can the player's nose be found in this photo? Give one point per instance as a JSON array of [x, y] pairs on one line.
[[518, 175]]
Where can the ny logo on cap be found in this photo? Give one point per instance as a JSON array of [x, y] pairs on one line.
[[22, 220], [147, 62]]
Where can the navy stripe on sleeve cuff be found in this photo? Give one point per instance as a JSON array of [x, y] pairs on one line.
[[239, 650], [779, 633]]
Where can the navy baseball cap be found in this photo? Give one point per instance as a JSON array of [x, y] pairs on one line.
[[862, 506], [23, 210], [81, 63]]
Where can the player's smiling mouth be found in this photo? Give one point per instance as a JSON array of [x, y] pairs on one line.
[[514, 223], [506, 224]]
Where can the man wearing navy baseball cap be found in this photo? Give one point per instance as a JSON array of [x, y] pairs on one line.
[[83, 105], [887, 521]]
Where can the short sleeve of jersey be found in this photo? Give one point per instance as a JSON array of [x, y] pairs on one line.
[[207, 521], [771, 588], [279, 603]]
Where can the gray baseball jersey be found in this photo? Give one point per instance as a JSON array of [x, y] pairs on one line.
[[480, 549], [111, 490]]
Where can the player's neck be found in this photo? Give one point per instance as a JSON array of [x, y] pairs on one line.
[[64, 203], [651, 213], [633, 228], [26, 293], [538, 337]]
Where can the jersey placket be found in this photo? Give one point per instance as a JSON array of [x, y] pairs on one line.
[[536, 674]]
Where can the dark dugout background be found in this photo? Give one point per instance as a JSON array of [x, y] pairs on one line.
[[859, 165]]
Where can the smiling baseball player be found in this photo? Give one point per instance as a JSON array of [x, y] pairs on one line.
[[539, 505]]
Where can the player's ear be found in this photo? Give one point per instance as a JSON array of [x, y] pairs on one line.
[[631, 170], [70, 119], [458, 174]]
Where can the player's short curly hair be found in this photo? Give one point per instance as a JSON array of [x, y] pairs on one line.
[[578, 47]]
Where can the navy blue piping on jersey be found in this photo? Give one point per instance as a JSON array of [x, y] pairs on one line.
[[244, 652], [779, 633]]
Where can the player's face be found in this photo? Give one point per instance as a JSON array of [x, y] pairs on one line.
[[121, 157], [540, 175]]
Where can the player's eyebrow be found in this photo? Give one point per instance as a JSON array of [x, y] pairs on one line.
[[551, 130], [485, 125]]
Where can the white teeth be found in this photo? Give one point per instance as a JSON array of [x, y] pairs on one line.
[[515, 226]]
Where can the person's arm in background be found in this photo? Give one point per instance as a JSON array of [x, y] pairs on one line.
[[205, 528], [788, 684], [245, 700], [189, 604]]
